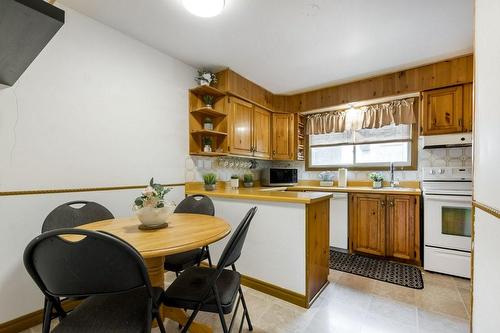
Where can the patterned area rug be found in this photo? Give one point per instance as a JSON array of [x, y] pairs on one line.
[[378, 269]]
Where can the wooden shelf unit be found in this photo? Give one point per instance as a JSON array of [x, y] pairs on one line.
[[300, 137], [217, 113]]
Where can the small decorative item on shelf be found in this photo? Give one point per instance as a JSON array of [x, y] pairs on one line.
[[151, 208], [208, 124], [208, 100], [377, 179], [326, 178], [206, 78], [207, 144], [235, 182], [248, 180], [210, 179]]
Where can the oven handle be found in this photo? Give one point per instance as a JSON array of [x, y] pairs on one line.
[[454, 198]]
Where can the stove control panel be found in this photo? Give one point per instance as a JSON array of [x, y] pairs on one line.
[[447, 173]]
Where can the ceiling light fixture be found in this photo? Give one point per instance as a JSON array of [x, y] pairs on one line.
[[204, 8]]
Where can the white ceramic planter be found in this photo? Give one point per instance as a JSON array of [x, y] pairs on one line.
[[151, 217], [377, 184], [207, 148], [235, 183]]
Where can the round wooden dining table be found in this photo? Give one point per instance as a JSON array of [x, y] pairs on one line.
[[184, 232]]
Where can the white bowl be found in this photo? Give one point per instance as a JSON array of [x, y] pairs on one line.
[[151, 217]]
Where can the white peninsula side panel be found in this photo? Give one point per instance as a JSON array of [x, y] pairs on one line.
[[274, 250]]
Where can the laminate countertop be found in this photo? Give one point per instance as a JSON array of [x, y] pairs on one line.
[[278, 194], [357, 189]]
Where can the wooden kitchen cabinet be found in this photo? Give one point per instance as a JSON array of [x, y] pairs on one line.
[[447, 110], [261, 133], [385, 226], [367, 222], [283, 136], [249, 129], [401, 227]]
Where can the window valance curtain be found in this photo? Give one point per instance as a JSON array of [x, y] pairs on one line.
[[384, 114], [328, 122]]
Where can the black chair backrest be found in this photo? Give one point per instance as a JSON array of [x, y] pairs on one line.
[[232, 251], [98, 263], [196, 204], [66, 216]]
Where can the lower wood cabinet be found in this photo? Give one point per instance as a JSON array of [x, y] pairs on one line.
[[385, 225]]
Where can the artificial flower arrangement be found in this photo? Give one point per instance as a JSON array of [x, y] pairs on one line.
[[151, 207], [206, 78], [152, 196]]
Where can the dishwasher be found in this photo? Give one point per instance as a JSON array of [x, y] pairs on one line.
[[338, 221]]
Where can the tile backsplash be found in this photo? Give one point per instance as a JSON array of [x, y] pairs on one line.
[[442, 157]]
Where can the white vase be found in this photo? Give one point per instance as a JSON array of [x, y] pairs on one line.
[[235, 183], [151, 217]]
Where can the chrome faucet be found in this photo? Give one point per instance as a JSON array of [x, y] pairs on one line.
[[391, 170]]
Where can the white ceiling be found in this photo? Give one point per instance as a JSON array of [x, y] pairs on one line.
[[294, 45]]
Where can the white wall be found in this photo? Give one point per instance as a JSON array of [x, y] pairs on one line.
[[486, 286], [96, 108]]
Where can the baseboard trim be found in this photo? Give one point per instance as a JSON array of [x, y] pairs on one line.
[[278, 292], [32, 319]]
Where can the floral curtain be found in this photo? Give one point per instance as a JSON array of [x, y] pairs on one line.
[[384, 114], [323, 123]]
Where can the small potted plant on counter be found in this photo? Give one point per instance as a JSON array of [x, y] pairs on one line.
[[326, 178], [208, 100], [248, 180], [377, 179], [210, 179], [235, 182], [207, 144]]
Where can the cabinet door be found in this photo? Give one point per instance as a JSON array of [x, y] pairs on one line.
[[401, 226], [367, 222], [261, 133], [240, 128], [468, 108], [442, 111], [282, 136]]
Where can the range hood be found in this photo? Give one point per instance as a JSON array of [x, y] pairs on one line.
[[447, 140], [26, 26]]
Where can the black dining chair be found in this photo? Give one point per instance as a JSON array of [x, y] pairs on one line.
[[106, 270], [214, 289], [68, 216], [194, 204]]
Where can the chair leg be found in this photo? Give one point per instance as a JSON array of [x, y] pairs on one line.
[[160, 323], [219, 308], [47, 316], [209, 258], [245, 310], [191, 319]]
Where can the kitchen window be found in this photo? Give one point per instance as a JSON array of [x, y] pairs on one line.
[[363, 148]]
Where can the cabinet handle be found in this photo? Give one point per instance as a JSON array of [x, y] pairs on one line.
[[382, 203], [459, 122], [391, 203]]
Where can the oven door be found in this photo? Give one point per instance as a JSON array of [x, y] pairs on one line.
[[448, 221]]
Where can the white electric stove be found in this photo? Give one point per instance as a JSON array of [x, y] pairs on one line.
[[447, 219]]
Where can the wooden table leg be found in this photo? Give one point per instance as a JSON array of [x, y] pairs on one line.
[[157, 277]]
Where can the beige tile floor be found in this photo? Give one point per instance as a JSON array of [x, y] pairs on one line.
[[352, 303]]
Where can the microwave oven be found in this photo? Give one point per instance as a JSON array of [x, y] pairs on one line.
[[279, 177]]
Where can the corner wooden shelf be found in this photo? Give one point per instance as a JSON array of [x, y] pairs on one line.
[[213, 154], [208, 111], [208, 132], [207, 90]]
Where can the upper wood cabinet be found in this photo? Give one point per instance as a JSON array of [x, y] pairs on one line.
[[368, 223], [249, 129], [447, 110], [283, 136], [261, 133], [241, 125], [385, 225]]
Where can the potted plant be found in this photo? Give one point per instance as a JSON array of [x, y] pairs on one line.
[[210, 179], [235, 182], [151, 208], [326, 178], [377, 179], [248, 180], [206, 78], [208, 124], [208, 100], [207, 144]]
